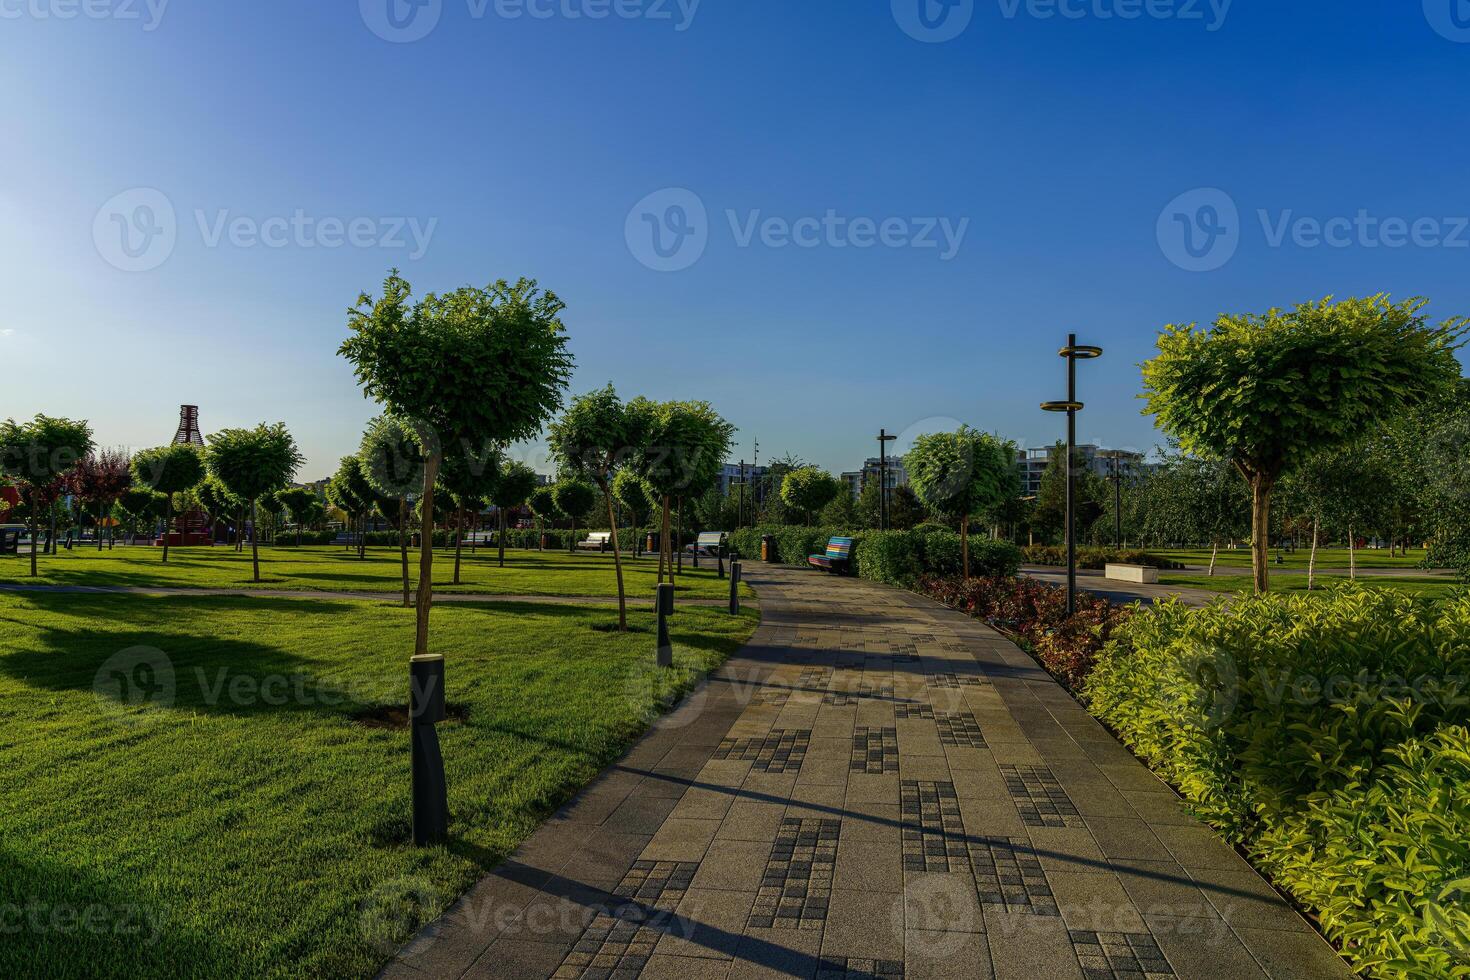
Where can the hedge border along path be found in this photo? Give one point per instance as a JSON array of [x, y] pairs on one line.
[[746, 881]]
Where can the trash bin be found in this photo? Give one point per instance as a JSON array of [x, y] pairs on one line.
[[768, 547]]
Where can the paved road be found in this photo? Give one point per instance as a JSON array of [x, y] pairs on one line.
[[875, 786]]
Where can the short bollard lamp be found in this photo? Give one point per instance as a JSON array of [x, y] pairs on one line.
[[665, 605], [425, 710], [735, 588], [720, 560]]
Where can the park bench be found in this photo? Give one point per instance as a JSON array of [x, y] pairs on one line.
[[709, 543], [1140, 574], [10, 536], [837, 558], [597, 541]]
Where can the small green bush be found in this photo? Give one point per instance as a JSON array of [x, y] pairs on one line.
[[1093, 558]]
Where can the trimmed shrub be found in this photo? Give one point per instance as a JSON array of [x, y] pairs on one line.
[[1093, 558], [288, 538]]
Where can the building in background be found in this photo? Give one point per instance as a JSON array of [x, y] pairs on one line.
[[855, 480], [730, 474], [1033, 463]]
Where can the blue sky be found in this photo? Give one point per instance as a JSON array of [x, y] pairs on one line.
[[1067, 157]]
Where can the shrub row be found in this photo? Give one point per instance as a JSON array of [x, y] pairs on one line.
[[1055, 554], [899, 558], [1036, 615], [1324, 734]]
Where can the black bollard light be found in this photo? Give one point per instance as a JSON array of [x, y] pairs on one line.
[[720, 560], [425, 710], [734, 588], [665, 604]]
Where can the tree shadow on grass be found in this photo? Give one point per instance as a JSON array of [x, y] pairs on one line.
[[68, 922]]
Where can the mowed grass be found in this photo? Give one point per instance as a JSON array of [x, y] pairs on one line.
[[1283, 582], [244, 823], [328, 568], [1326, 557]]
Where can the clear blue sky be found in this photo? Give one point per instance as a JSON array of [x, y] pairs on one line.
[[1057, 141]]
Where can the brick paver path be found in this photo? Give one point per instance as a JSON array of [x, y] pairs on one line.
[[876, 787]]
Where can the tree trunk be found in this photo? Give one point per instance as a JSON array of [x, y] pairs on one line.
[[403, 546], [168, 516], [617, 564], [668, 555], [1352, 555], [426, 561], [35, 530], [1261, 531], [965, 545], [254, 542], [500, 533], [1214, 550], [98, 526], [1312, 558], [679, 538], [458, 541]]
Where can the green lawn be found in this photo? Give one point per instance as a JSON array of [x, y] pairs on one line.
[[1326, 557], [333, 568], [1297, 582], [248, 825]]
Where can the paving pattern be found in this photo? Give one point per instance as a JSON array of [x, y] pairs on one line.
[[875, 787]]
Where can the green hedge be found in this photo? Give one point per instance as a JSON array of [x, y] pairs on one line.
[[288, 538], [895, 557], [1324, 734], [1055, 554]]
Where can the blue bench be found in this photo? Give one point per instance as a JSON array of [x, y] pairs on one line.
[[837, 558]]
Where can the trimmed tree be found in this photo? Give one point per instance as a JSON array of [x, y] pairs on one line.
[[808, 490], [171, 469], [1265, 390], [139, 504], [474, 370], [469, 481], [100, 479], [251, 463], [542, 502], [39, 453], [593, 439], [393, 463], [303, 504], [574, 498], [961, 474], [684, 444], [217, 502], [512, 486], [633, 495]]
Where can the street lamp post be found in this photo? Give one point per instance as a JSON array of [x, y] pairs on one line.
[[883, 440], [1073, 352]]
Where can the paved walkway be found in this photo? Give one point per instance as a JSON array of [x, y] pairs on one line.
[[875, 786], [1091, 580]]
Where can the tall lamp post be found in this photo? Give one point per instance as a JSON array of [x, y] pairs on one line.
[[883, 440], [1073, 352]]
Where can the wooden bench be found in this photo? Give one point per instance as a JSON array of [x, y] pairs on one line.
[[837, 558], [597, 541], [1140, 574]]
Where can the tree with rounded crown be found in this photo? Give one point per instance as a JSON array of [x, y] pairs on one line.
[[100, 479], [542, 502], [37, 454], [304, 506], [961, 474], [472, 370], [217, 503], [393, 462], [633, 495], [809, 489], [575, 498], [469, 481], [593, 439], [515, 482], [1266, 390], [139, 504], [172, 469], [684, 444], [251, 463]]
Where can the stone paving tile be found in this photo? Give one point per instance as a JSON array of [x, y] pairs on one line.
[[874, 787]]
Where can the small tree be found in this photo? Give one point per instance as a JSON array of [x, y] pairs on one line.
[[809, 489], [393, 463], [475, 369], [593, 439], [1265, 390], [469, 481], [633, 495], [175, 468], [100, 479], [574, 498], [512, 486], [251, 463], [1193, 499], [961, 474], [38, 454], [140, 504], [304, 506], [217, 502], [543, 505], [684, 444]]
